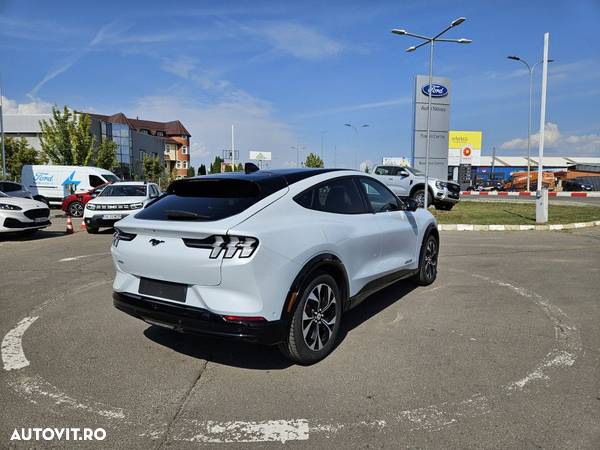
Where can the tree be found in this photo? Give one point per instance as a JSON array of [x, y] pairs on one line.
[[18, 153], [202, 170], [82, 141], [215, 167], [240, 167], [56, 137], [228, 168], [191, 172], [66, 138], [367, 169], [313, 160], [106, 155], [152, 168]]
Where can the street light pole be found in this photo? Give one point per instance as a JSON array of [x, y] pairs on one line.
[[364, 125], [297, 148], [530, 69], [430, 40], [322, 137]]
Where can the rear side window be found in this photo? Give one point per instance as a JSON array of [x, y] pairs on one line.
[[204, 200], [340, 196]]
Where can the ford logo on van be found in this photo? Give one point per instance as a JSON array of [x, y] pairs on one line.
[[437, 90]]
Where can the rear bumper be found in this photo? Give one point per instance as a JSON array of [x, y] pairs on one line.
[[192, 320]]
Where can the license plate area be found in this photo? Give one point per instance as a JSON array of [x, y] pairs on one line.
[[163, 289], [112, 217]]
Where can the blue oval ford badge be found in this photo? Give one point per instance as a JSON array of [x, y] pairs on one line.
[[437, 91]]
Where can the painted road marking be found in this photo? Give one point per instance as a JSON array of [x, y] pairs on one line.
[[13, 356], [75, 258], [430, 418], [35, 388]]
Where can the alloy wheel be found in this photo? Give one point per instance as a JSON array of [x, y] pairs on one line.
[[319, 316], [420, 198], [76, 209], [430, 259]]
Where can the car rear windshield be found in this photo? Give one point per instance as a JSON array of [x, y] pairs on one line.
[[124, 190], [204, 200]]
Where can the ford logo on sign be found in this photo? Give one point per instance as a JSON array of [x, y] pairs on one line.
[[437, 90]]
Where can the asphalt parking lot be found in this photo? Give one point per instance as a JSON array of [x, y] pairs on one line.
[[502, 351]]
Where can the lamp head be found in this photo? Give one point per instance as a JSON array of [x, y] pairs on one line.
[[464, 41], [458, 21], [411, 49], [515, 58], [398, 31]]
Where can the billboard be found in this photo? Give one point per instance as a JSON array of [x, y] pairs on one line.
[[440, 123], [464, 147], [260, 156]]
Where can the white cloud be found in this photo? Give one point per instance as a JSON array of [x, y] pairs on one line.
[[554, 139], [210, 125], [358, 107], [298, 40], [36, 106]]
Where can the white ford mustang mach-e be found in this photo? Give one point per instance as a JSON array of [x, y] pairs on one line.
[[274, 256]]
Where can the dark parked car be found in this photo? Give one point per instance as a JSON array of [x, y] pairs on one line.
[[574, 185]]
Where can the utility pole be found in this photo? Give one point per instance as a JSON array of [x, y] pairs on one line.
[[541, 204], [493, 162], [232, 148], [2, 134]]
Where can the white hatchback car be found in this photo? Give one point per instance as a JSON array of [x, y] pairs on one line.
[[274, 257], [22, 214], [117, 201]]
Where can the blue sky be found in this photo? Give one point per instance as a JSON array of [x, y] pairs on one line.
[[288, 73]]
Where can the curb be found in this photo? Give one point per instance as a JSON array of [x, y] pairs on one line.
[[527, 194], [557, 227]]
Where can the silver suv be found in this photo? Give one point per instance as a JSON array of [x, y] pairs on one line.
[[409, 182]]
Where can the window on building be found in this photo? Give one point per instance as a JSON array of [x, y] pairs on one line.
[[160, 133], [144, 131], [184, 150], [184, 164], [178, 164]]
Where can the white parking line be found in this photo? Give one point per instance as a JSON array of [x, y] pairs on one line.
[[241, 431], [75, 258], [13, 356]]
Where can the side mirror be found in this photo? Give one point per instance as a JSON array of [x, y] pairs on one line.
[[410, 204], [403, 173]]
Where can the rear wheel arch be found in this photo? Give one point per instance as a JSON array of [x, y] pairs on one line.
[[323, 263]]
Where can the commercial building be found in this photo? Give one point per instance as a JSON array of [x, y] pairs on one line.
[[136, 138], [25, 126], [170, 141]]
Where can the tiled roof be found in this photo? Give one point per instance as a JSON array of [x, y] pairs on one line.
[[174, 127]]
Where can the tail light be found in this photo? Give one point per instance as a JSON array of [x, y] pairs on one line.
[[230, 245], [121, 235]]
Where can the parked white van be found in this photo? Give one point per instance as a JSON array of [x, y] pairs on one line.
[[50, 184]]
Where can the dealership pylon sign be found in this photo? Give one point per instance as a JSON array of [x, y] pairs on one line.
[[440, 123]]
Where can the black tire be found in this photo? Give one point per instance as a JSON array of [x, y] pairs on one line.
[[419, 196], [444, 206], [428, 261], [317, 317], [91, 230], [75, 209]]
